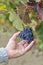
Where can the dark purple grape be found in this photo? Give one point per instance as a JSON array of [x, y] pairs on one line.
[[27, 34]]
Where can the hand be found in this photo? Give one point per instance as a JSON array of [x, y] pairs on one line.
[[15, 49]]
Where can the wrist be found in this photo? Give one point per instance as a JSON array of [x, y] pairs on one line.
[[8, 52]]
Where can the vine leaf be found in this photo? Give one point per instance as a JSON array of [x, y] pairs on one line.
[[39, 30], [11, 16], [17, 22], [41, 46]]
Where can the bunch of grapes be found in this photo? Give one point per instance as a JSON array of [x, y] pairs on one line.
[[27, 34]]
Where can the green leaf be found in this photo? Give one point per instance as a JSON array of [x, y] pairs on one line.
[[1, 27], [17, 22], [4, 30], [12, 5], [39, 42], [11, 16], [39, 30], [41, 36], [41, 46]]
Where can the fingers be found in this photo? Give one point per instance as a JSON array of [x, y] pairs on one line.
[[15, 36], [25, 45], [29, 46], [22, 42]]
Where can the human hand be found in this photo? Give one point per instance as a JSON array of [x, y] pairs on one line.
[[15, 49]]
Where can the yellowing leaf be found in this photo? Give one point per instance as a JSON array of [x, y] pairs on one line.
[[3, 7]]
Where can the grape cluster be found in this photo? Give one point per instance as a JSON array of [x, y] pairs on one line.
[[27, 34]]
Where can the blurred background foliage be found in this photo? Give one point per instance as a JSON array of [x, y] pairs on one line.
[[13, 14]]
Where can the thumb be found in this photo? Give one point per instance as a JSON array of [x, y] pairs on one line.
[[15, 36]]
